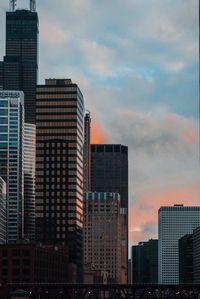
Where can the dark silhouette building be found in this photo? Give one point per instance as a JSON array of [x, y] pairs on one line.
[[109, 173], [87, 153], [59, 167], [186, 259], [145, 262], [196, 252], [20, 65], [30, 263]]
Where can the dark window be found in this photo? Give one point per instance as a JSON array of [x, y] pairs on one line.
[[16, 252], [100, 148]]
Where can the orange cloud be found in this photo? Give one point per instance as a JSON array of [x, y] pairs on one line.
[[98, 134], [144, 212]]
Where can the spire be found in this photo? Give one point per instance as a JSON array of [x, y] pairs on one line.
[[32, 5], [13, 5]]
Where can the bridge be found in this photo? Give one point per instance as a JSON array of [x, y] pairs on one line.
[[102, 291]]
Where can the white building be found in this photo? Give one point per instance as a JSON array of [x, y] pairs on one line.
[[173, 223]]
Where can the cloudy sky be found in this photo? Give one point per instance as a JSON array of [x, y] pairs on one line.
[[136, 62]]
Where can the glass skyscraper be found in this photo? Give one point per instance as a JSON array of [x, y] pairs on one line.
[[11, 159], [59, 166], [29, 180], [173, 223], [2, 211], [20, 65]]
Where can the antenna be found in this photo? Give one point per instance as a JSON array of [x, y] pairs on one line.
[[32, 5], [13, 5]]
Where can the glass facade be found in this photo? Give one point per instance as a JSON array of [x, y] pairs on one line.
[[29, 180], [173, 223], [2, 211], [59, 166], [11, 159], [20, 65]]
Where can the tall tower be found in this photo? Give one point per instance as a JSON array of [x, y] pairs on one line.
[[11, 160], [87, 153], [109, 173], [20, 65], [59, 167]]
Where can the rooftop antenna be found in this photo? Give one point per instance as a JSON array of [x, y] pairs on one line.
[[13, 4], [32, 5]]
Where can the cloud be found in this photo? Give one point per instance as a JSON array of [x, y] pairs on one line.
[[98, 133], [163, 164]]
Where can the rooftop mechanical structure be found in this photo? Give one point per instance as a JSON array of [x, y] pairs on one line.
[[13, 5]]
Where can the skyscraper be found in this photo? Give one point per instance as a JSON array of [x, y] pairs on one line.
[[145, 262], [11, 159], [185, 246], [20, 65], [102, 234], [173, 223], [196, 254], [59, 166], [29, 180], [109, 173], [2, 211], [87, 154]]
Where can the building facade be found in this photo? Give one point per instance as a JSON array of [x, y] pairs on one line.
[[144, 258], [11, 160], [109, 173], [20, 64], [29, 180], [2, 211], [173, 223], [185, 246], [30, 263], [102, 234], [196, 254], [87, 153], [59, 166]]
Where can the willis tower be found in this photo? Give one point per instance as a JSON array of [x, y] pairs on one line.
[[19, 69]]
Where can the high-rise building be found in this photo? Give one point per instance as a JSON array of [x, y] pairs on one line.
[[185, 246], [196, 254], [2, 211], [20, 65], [59, 166], [145, 262], [11, 160], [87, 153], [29, 180], [102, 234], [173, 223], [109, 173]]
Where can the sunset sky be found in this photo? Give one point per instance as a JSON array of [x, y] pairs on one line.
[[136, 62]]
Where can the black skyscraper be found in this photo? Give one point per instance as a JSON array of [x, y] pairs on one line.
[[109, 170], [20, 65], [145, 262], [186, 259]]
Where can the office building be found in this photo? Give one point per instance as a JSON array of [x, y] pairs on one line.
[[29, 180], [186, 259], [59, 166], [109, 173], [102, 234], [173, 223], [20, 64], [11, 160], [196, 254], [145, 262], [87, 153], [31, 263], [2, 211]]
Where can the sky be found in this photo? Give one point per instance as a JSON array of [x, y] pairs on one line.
[[136, 62]]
